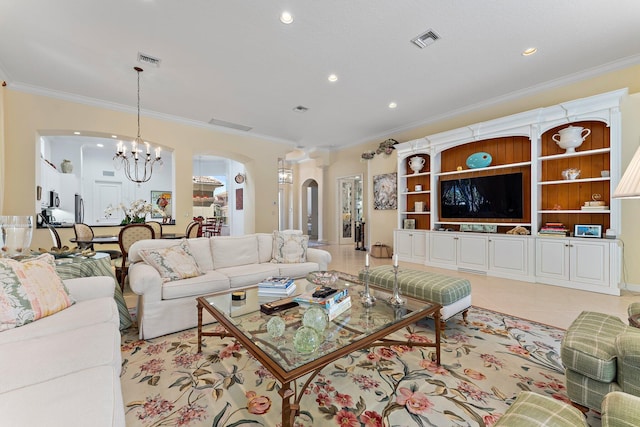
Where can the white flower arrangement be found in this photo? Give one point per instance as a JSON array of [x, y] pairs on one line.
[[134, 213]]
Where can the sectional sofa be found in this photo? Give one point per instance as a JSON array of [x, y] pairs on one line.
[[226, 262], [64, 369]]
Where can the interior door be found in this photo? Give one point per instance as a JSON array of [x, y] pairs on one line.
[[105, 193], [350, 207]]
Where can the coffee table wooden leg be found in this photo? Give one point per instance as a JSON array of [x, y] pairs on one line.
[[199, 327], [289, 411]]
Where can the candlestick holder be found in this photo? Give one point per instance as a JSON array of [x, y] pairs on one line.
[[366, 298], [396, 299]]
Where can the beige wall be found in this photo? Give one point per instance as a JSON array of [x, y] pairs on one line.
[[26, 116]]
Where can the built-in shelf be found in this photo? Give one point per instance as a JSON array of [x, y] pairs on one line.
[[576, 154], [416, 192], [509, 165], [416, 213], [501, 224], [415, 174], [572, 181], [574, 211]]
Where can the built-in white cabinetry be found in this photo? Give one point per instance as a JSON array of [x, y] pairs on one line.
[[588, 264], [411, 245], [511, 256], [49, 180], [69, 186], [523, 144]]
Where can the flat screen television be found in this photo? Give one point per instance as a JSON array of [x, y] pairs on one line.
[[485, 197]]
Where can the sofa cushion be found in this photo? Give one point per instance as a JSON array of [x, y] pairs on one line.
[[28, 362], [201, 251], [231, 251], [211, 281], [30, 290], [289, 248], [536, 410], [173, 263], [86, 313], [248, 275], [300, 269], [265, 247]]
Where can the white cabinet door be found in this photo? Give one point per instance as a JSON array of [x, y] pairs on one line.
[[403, 244], [443, 248], [509, 255], [68, 188], [552, 258], [472, 251], [589, 262], [411, 246]]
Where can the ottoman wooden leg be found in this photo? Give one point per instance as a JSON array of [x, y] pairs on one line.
[[464, 317]]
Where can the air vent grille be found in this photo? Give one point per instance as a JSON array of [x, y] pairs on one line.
[[425, 39], [229, 125], [148, 59]]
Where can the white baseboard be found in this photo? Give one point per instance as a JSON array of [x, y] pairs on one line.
[[633, 287]]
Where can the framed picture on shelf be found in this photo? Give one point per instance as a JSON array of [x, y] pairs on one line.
[[409, 224], [162, 201], [588, 230]]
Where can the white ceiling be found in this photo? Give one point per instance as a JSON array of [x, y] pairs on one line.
[[235, 61]]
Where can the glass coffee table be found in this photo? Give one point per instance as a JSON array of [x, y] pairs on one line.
[[355, 329]]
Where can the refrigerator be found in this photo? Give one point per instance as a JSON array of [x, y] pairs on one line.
[[79, 209]]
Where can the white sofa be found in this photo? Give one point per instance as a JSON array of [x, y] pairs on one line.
[[228, 262], [64, 369]]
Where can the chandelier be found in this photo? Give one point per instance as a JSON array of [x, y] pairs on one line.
[[285, 175], [138, 164]]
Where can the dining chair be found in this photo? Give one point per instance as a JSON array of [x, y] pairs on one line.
[[157, 228], [128, 236], [84, 235], [208, 227], [192, 229], [55, 237]]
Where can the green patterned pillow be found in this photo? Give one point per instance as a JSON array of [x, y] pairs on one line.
[[173, 263], [289, 248], [30, 290]]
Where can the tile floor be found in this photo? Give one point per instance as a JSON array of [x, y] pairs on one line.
[[547, 304]]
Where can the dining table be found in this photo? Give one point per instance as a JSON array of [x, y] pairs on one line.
[[96, 240]]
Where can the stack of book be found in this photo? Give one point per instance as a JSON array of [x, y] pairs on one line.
[[553, 229], [276, 287], [334, 305]]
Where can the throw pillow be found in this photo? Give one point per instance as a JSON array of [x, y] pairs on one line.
[[173, 262], [289, 248], [30, 290]]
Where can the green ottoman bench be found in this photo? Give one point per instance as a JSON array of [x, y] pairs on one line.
[[453, 293]]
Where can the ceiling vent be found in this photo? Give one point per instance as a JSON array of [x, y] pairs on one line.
[[300, 109], [230, 125], [148, 59], [425, 39]]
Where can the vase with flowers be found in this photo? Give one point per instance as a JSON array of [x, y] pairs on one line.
[[135, 213]]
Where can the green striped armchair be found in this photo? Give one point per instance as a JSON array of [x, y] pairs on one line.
[[601, 354]]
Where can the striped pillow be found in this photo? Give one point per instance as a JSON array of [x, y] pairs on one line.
[[30, 290]]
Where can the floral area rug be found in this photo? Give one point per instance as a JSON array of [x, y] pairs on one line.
[[485, 364]]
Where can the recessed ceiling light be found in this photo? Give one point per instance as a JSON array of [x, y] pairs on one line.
[[100, 145], [76, 133], [114, 136], [300, 109], [286, 18], [392, 105], [333, 78], [529, 51]]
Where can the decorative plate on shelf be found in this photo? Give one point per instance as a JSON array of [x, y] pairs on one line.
[[479, 160]]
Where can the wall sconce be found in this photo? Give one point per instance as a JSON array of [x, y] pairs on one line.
[[285, 176]]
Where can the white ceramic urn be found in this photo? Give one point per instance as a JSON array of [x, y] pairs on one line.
[[571, 137], [416, 163]]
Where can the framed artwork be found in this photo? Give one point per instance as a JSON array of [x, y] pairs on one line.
[[161, 200], [239, 199], [385, 194], [588, 230], [409, 224]]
